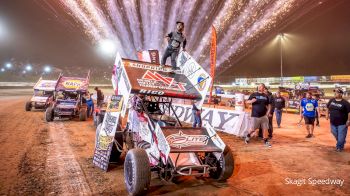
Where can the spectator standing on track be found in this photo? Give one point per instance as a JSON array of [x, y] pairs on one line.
[[269, 115], [216, 101], [197, 120], [175, 39], [339, 111], [260, 109], [100, 97], [280, 103], [308, 107]]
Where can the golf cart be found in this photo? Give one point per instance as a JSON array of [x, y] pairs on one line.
[[43, 94], [154, 138], [69, 98]]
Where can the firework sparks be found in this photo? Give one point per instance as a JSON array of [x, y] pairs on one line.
[[140, 25]]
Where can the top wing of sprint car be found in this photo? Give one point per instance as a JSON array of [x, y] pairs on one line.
[[45, 85], [72, 84], [137, 77], [43, 89]]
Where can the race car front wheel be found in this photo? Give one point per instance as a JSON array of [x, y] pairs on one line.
[[82, 114], [28, 106], [137, 172], [49, 114], [224, 166]]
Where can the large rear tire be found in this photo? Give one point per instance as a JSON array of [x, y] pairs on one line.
[[49, 114], [28, 105], [82, 114], [137, 172], [225, 166]]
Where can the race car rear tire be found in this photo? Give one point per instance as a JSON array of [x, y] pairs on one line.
[[28, 105], [49, 114], [225, 166], [137, 172], [82, 114]]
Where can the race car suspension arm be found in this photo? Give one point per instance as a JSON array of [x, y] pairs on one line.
[[188, 170]]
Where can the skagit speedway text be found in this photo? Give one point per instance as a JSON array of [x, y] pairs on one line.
[[314, 181]]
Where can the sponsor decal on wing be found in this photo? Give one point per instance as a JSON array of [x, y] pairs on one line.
[[180, 140], [72, 84], [156, 80]]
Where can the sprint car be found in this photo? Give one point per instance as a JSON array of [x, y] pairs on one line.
[[42, 96], [69, 99], [154, 138]]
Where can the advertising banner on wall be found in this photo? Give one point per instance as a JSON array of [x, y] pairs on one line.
[[228, 121], [340, 78], [310, 78]]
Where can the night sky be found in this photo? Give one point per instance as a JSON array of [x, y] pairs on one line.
[[316, 41], [37, 36], [316, 44]]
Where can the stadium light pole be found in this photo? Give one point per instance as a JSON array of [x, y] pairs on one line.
[[281, 37]]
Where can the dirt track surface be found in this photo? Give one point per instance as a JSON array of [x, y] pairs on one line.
[[39, 158]]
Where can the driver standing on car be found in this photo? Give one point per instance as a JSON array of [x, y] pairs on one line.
[[175, 39]]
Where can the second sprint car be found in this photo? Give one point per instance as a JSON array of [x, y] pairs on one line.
[[68, 100]]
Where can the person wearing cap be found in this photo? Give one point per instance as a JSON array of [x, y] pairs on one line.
[[338, 109], [175, 39]]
